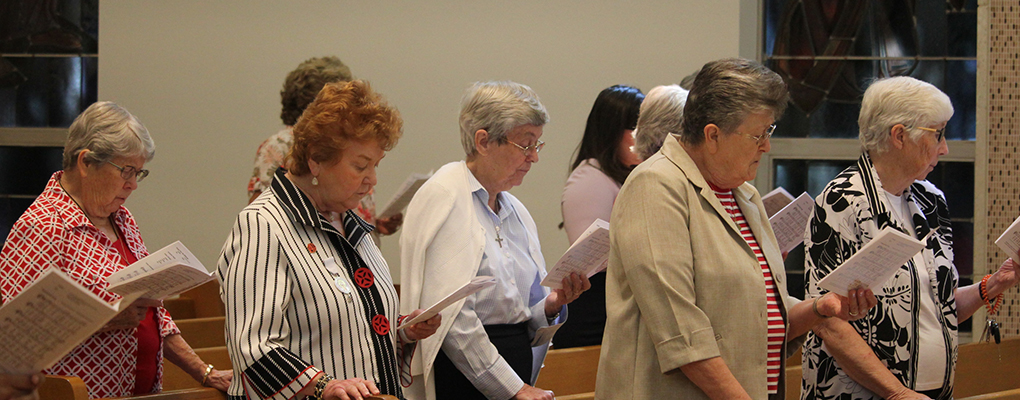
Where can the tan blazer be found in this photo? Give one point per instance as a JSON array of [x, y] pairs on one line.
[[682, 285]]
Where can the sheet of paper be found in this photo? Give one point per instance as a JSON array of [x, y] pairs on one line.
[[164, 283], [475, 284], [588, 255], [545, 334], [776, 200], [874, 263], [1009, 241], [404, 194], [48, 320], [790, 222], [163, 273]]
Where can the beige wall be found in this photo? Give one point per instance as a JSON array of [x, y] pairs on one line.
[[205, 78]]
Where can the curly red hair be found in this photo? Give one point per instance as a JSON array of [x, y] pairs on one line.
[[342, 112]]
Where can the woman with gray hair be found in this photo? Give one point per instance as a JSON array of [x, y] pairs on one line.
[[79, 225], [660, 115], [911, 336], [463, 223], [696, 295]]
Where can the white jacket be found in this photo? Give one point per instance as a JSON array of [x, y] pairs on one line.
[[441, 249]]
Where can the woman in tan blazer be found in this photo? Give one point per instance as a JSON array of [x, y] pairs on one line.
[[696, 295]]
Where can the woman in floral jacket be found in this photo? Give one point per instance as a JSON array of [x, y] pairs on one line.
[[906, 346]]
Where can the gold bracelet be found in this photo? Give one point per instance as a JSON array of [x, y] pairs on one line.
[[814, 307], [205, 376], [320, 385]]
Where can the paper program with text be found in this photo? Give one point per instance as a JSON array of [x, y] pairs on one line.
[[404, 194], [790, 223], [874, 263], [587, 256], [47, 320], [474, 285], [776, 200], [1009, 241], [166, 272]]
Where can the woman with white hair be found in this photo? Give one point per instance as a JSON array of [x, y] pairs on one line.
[[80, 226], [905, 347], [660, 115], [463, 223]]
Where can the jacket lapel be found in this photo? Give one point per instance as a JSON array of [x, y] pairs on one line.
[[675, 153]]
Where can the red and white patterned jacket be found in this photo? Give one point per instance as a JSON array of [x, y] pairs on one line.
[[55, 233]]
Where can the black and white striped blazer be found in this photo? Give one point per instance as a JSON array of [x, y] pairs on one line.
[[299, 301]]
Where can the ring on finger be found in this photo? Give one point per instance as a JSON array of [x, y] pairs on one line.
[[853, 313]]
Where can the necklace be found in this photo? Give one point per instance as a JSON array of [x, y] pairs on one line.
[[499, 240]]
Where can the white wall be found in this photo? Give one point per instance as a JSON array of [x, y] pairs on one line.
[[205, 78]]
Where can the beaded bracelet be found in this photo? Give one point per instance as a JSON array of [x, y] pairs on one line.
[[984, 296]]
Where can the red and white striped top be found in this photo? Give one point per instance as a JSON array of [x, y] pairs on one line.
[[776, 327]]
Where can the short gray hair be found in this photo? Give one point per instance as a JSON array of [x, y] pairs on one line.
[[108, 131], [899, 100], [498, 107], [726, 91], [660, 115]]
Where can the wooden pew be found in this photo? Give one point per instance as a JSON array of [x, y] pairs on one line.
[[987, 367], [203, 332], [578, 396], [58, 387], [1003, 395], [207, 394], [201, 302], [570, 371], [175, 378]]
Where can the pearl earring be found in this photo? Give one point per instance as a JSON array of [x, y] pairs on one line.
[[315, 181]]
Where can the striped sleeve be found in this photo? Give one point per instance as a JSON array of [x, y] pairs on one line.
[[253, 276]]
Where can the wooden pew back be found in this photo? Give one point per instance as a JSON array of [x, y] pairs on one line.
[[570, 371], [201, 302], [203, 332], [987, 367], [58, 387], [175, 378], [1004, 395]]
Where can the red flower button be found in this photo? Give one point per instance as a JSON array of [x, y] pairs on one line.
[[381, 325], [364, 277]]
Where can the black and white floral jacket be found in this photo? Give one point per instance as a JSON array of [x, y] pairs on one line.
[[847, 215]]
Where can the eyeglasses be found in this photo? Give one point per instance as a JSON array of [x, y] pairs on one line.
[[526, 150], [939, 133], [129, 172], [763, 137]]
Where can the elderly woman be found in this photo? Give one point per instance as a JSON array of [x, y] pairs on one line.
[[308, 300], [911, 336], [79, 225], [603, 160], [299, 89], [696, 294], [463, 223], [661, 113]]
